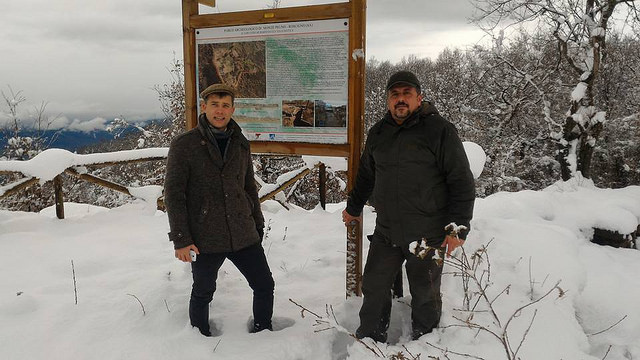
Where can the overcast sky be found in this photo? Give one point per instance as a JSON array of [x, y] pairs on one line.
[[96, 60]]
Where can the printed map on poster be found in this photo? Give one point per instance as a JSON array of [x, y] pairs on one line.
[[291, 78]]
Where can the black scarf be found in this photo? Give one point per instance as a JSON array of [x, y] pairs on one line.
[[217, 137]]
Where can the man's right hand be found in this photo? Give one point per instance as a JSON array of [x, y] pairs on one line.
[[182, 254], [348, 218]]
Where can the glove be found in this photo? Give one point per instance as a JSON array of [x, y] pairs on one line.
[[260, 233]]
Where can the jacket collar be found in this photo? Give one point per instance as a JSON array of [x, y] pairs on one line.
[[235, 141]]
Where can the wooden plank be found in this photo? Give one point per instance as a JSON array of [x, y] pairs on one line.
[[59, 196], [7, 172], [298, 13], [264, 147], [273, 193], [111, 163], [189, 9], [211, 3], [355, 135], [19, 186], [96, 180]]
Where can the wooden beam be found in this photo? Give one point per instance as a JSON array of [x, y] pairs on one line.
[[99, 181], [291, 148], [110, 163], [273, 193], [211, 3], [7, 172], [355, 134], [189, 9], [298, 13], [19, 186]]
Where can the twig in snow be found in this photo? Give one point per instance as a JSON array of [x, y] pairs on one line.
[[140, 302], [75, 287], [321, 321], [410, 354], [332, 313], [305, 309], [214, 349], [445, 351], [607, 353], [167, 305], [609, 328], [285, 234], [472, 275]]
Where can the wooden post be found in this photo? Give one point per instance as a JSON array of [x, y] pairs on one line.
[[189, 7], [322, 185], [57, 189], [356, 128]]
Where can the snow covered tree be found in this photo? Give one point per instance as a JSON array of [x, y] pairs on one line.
[[171, 96], [15, 125], [580, 29]]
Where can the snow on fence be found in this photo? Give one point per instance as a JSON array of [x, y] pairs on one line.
[[51, 163]]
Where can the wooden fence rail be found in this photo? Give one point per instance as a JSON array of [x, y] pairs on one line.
[[143, 156]]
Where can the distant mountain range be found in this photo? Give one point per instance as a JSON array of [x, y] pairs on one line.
[[73, 140]]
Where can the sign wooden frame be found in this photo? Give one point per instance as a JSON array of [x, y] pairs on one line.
[[355, 10]]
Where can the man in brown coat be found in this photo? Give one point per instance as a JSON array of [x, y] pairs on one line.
[[213, 208]]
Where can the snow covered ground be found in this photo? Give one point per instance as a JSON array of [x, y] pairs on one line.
[[123, 262]]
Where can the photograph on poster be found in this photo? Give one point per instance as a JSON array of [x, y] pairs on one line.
[[330, 114], [297, 113], [241, 65], [258, 113]]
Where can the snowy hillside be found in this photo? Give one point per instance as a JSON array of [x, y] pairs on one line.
[[132, 294]]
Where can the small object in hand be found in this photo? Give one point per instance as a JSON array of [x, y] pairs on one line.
[[193, 255]]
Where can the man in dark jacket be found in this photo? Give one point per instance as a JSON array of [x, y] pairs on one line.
[[213, 208], [415, 168]]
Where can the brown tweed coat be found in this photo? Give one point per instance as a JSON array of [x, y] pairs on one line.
[[211, 202]]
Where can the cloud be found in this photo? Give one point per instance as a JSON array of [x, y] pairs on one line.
[[98, 123], [100, 59]]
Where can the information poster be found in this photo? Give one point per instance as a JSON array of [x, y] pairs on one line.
[[291, 78]]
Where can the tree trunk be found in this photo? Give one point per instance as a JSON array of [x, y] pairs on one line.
[[566, 146]]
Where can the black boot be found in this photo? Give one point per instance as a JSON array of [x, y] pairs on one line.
[[376, 335], [257, 327]]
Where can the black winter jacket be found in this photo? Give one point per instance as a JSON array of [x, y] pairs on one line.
[[211, 202], [418, 176]]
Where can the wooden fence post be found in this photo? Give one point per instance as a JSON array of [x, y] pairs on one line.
[[59, 196], [322, 185]]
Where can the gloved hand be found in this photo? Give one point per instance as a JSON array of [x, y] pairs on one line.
[[260, 233]]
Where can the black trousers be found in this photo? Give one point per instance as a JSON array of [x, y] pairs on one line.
[[252, 263], [384, 261]]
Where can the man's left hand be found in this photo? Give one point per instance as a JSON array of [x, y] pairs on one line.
[[183, 254], [451, 243]]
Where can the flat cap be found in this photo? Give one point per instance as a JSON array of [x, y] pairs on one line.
[[217, 88], [403, 78]]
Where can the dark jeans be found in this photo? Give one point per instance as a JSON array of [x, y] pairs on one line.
[[384, 261], [252, 263]]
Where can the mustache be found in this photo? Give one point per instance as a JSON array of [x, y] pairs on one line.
[[400, 104]]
